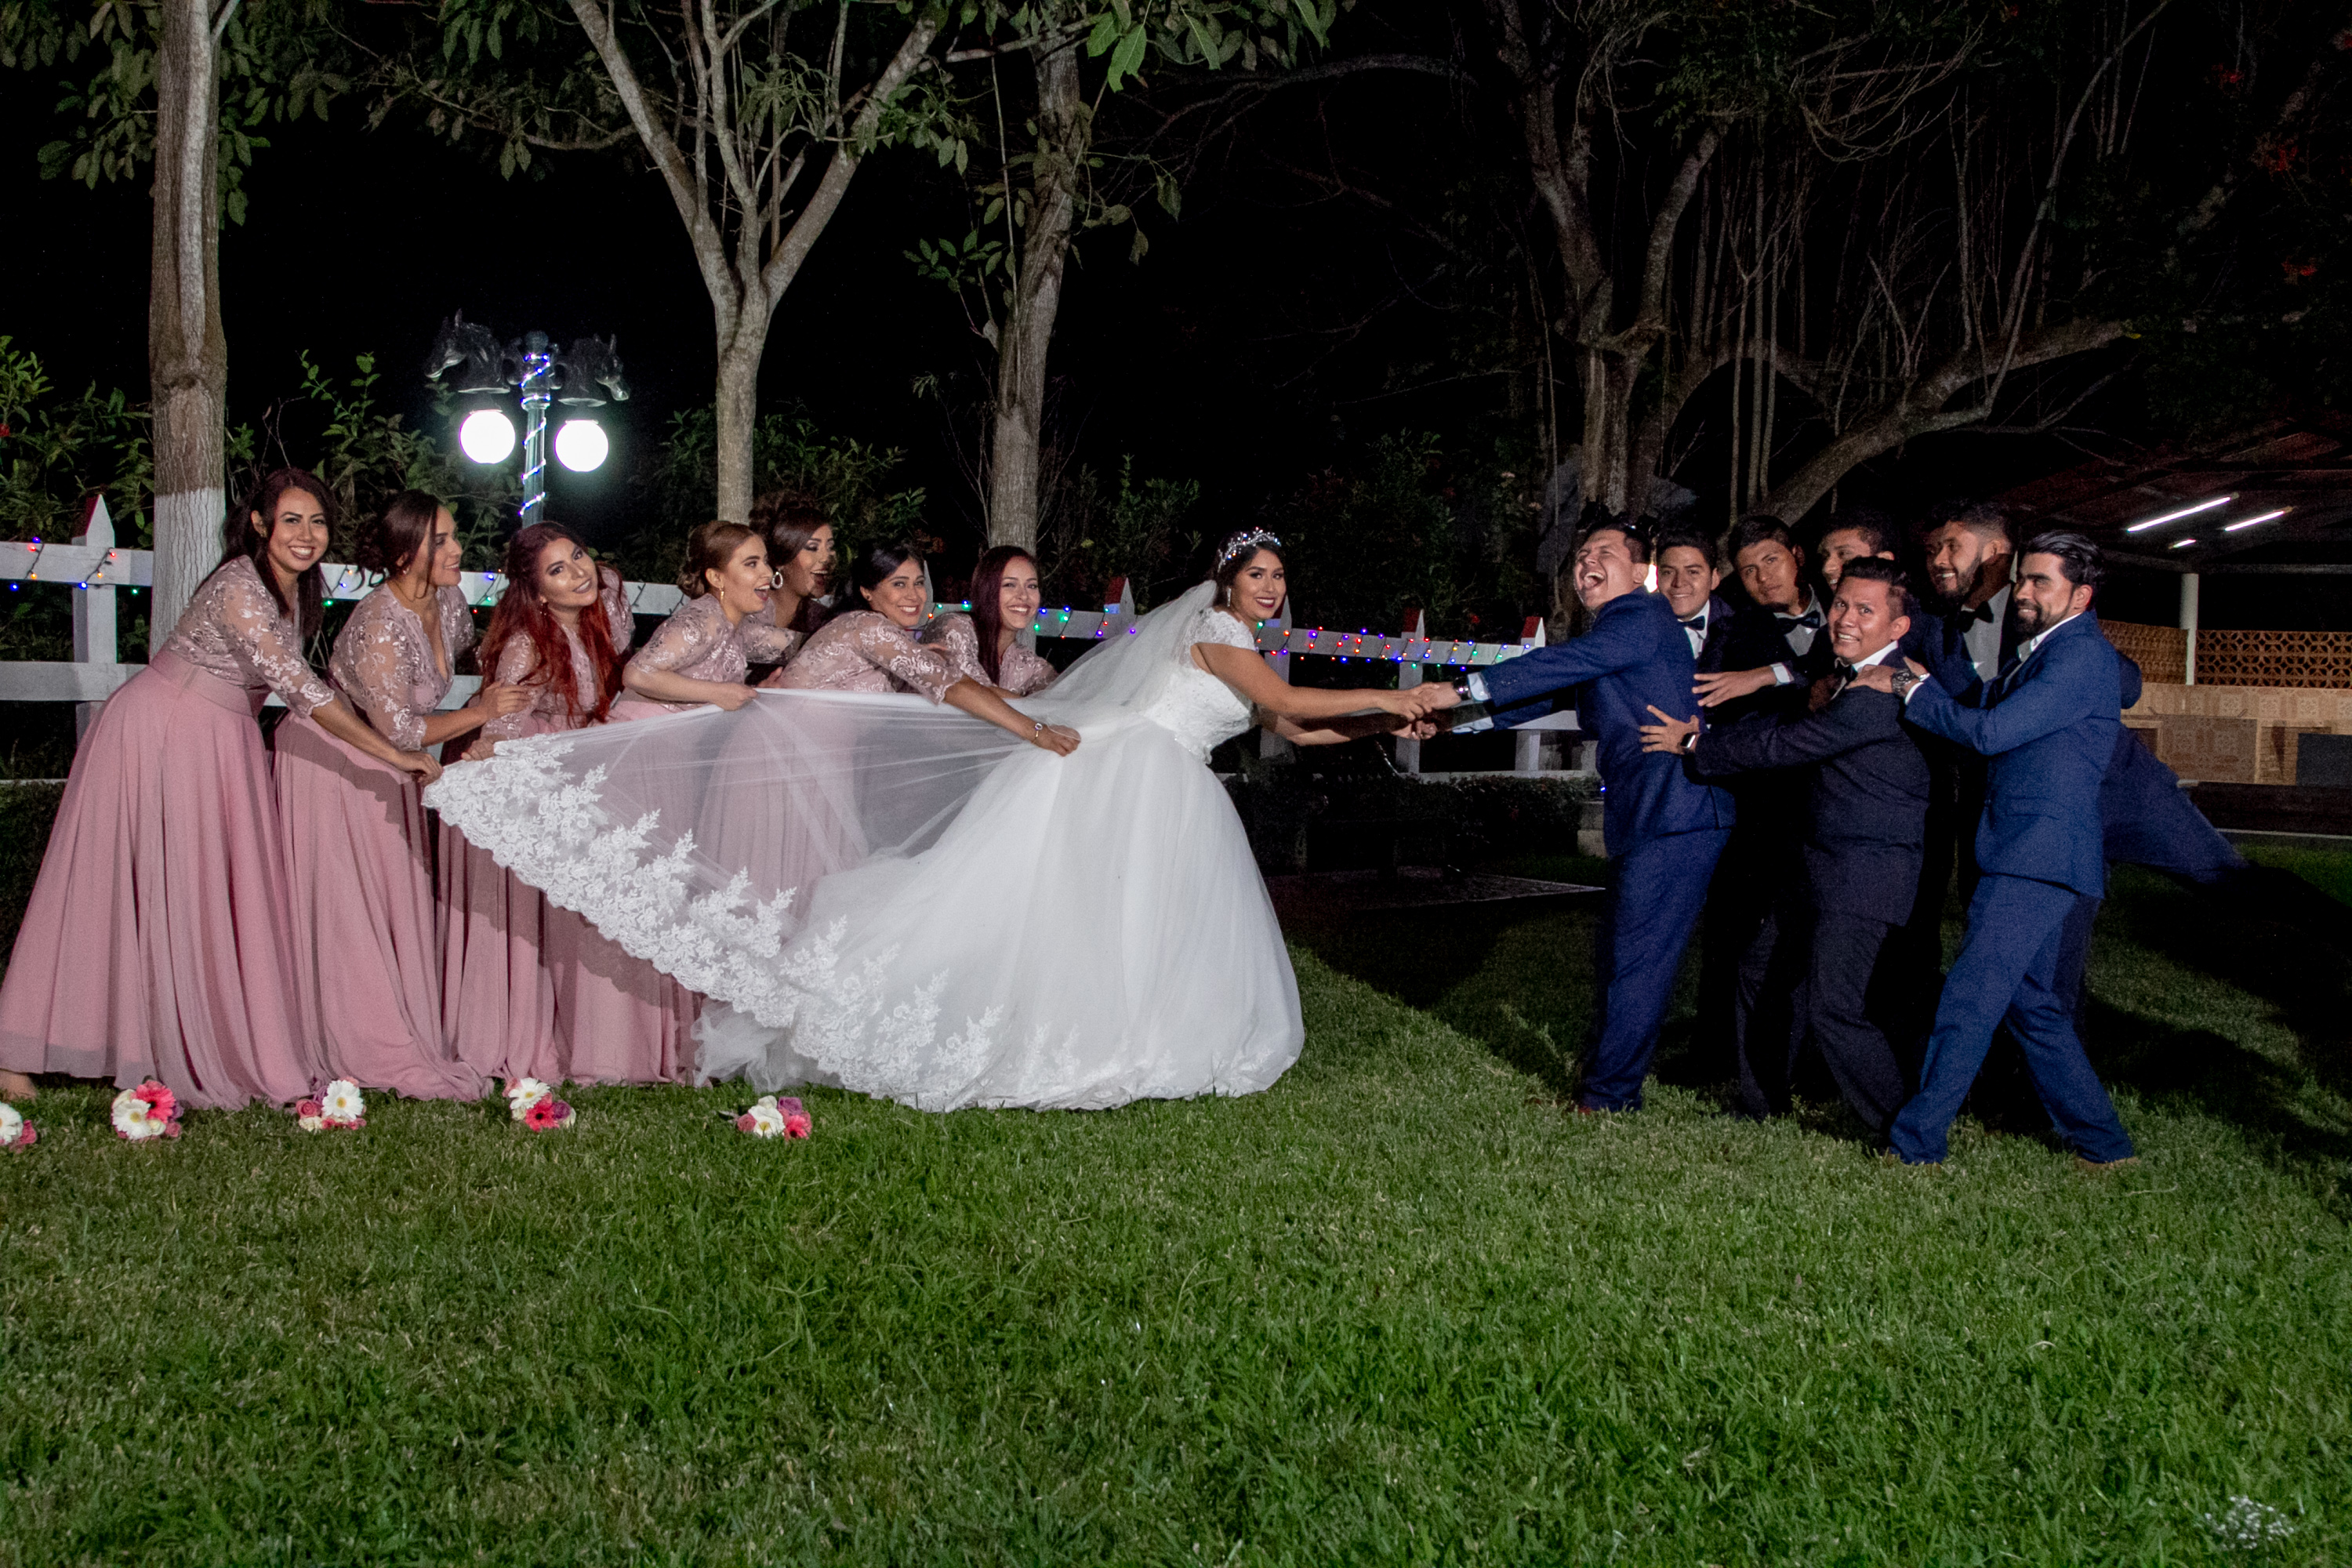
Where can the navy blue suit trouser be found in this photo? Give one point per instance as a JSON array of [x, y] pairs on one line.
[[1656, 890], [2013, 969]]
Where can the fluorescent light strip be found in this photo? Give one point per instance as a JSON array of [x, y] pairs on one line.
[[2182, 543], [2176, 516], [2251, 520]]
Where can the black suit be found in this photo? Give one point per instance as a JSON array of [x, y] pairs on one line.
[[1866, 787], [1752, 966]]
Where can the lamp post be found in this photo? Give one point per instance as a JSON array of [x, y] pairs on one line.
[[540, 373]]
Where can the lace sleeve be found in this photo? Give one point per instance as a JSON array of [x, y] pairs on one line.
[[458, 635], [764, 642], [684, 640], [377, 673], [266, 646], [958, 638], [1216, 627], [516, 660], [617, 613], [886, 647], [1024, 673]]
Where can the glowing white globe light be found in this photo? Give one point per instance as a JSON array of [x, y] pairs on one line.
[[581, 446], [487, 435]]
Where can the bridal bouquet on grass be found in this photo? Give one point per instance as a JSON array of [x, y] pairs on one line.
[[15, 1132], [150, 1111], [340, 1108], [534, 1105], [774, 1117]]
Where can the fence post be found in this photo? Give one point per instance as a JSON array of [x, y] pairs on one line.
[[1409, 675], [1270, 744], [2189, 623], [1527, 756], [93, 606]]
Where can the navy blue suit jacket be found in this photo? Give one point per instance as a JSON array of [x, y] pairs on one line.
[[1867, 802], [2050, 730], [1636, 655]]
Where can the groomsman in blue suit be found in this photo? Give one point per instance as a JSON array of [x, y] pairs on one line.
[[2047, 727], [1664, 829]]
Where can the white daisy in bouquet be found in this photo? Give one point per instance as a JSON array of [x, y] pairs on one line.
[[150, 1111], [775, 1118], [340, 1106], [534, 1104]]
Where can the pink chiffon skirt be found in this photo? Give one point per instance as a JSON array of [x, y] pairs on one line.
[[530, 989], [158, 941], [366, 943]]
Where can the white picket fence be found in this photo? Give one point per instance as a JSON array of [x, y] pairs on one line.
[[97, 569]]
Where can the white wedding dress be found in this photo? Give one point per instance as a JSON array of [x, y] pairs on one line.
[[905, 901]]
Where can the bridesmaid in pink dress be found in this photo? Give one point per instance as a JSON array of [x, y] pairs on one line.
[[801, 550], [530, 989], [366, 947], [158, 939], [701, 654], [985, 644]]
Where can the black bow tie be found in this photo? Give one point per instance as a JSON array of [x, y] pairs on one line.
[[1696, 623], [1810, 620], [1965, 617]]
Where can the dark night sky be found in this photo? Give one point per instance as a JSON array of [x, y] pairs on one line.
[[1214, 359]]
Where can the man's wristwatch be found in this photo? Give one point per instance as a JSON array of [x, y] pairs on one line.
[[1461, 691], [1904, 681]]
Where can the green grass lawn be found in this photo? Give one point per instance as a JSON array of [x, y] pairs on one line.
[[1403, 1308]]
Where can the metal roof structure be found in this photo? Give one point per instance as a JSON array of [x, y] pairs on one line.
[[2275, 499]]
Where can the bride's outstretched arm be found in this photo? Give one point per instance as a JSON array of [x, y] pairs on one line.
[[1337, 732], [986, 702], [1246, 670]]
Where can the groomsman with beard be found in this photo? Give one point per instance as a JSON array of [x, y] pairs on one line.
[[1664, 830], [2047, 727], [1866, 794]]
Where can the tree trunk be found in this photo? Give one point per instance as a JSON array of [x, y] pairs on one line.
[[742, 339], [187, 352], [1022, 347]]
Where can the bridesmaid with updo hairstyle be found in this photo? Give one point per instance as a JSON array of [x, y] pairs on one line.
[[530, 989], [366, 947], [701, 654], [158, 941], [801, 550], [985, 644]]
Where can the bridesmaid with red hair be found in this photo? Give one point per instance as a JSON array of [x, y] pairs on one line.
[[366, 943], [985, 644], [530, 989], [159, 943]]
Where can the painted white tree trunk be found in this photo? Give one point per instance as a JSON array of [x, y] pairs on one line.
[[187, 352]]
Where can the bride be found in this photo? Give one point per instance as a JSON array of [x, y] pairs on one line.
[[1001, 925]]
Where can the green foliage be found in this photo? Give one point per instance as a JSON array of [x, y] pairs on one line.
[[848, 480], [1400, 1308], [1410, 524], [278, 60], [1092, 534], [55, 453]]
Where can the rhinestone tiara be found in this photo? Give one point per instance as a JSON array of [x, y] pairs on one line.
[[1241, 543]]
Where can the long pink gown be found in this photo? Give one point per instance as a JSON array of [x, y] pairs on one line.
[[158, 941], [530, 989], [1020, 671], [366, 943]]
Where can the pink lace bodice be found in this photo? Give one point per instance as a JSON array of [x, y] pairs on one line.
[[384, 662], [864, 651], [233, 630], [547, 711], [698, 643], [1020, 671]]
